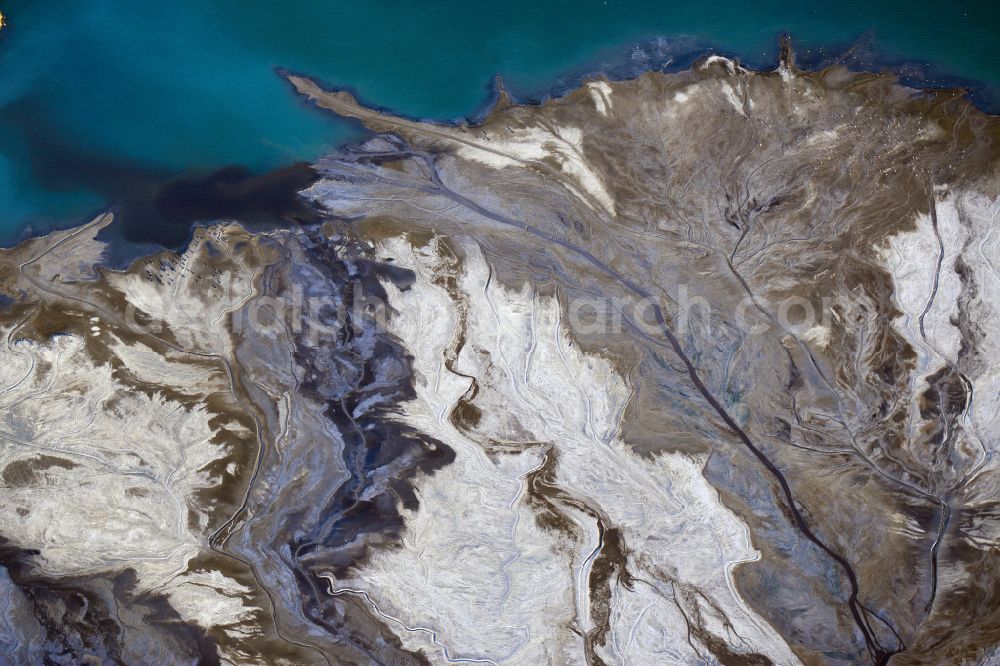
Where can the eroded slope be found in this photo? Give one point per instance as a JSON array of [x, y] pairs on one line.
[[687, 368]]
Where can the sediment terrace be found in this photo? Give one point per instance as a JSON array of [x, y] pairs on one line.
[[686, 368]]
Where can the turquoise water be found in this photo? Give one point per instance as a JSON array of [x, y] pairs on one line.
[[104, 99]]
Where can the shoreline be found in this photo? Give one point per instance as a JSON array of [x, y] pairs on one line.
[[671, 55]]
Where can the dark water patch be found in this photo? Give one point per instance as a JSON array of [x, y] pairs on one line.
[[152, 205], [235, 192], [49, 161]]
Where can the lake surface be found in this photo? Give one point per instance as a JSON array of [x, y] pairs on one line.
[[101, 102]]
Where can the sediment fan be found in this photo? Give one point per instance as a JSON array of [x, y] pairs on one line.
[[688, 367]]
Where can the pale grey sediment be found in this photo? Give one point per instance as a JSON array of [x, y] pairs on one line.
[[392, 438]]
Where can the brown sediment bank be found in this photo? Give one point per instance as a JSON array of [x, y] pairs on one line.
[[366, 485]]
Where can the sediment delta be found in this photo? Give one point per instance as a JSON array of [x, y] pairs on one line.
[[686, 368]]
